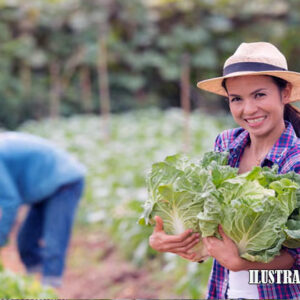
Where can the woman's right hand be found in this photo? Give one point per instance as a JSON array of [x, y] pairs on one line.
[[179, 244]]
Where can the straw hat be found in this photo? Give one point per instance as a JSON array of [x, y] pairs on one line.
[[259, 58]]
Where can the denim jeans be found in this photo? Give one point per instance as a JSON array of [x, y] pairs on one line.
[[44, 235]]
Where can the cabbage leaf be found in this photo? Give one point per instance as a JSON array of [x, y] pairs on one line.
[[259, 210]]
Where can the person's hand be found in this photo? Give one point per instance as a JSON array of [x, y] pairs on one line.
[[224, 251], [178, 244]]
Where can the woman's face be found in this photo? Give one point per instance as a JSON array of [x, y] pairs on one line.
[[257, 104]]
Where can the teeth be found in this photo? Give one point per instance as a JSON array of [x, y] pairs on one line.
[[255, 120]]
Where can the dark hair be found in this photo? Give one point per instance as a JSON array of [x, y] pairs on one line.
[[291, 113]]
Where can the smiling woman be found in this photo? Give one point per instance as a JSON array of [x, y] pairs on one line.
[[260, 89]]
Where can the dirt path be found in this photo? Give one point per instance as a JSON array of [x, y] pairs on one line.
[[96, 270], [105, 274]]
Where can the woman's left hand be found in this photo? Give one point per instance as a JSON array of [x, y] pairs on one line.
[[224, 251]]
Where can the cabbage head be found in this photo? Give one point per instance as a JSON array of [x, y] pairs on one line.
[[254, 209], [177, 189], [259, 210]]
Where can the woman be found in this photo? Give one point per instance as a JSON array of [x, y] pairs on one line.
[[260, 89]]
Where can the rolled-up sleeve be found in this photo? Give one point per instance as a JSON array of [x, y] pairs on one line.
[[295, 252]]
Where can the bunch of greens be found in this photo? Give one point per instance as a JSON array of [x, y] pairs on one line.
[[16, 286], [178, 189], [259, 210]]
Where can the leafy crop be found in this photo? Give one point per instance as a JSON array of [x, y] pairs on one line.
[[178, 189], [258, 210], [115, 183], [15, 286]]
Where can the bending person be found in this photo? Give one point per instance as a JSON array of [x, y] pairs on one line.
[[35, 173]]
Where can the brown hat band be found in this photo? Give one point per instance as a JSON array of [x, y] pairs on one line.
[[250, 66]]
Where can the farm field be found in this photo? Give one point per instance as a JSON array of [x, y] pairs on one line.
[[109, 255]]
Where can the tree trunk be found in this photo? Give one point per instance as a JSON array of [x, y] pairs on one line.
[[86, 89], [55, 89], [103, 80], [185, 99], [25, 74]]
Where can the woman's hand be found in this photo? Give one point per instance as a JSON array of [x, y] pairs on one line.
[[178, 244], [224, 251]]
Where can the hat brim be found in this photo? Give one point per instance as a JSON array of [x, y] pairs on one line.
[[214, 85]]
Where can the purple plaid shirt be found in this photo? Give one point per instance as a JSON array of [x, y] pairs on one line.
[[285, 153]]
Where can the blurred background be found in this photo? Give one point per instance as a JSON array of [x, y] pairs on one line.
[[114, 82]]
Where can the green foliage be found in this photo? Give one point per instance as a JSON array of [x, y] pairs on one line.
[[14, 286], [116, 186], [145, 44], [255, 208]]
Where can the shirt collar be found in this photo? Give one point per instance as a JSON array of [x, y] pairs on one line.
[[286, 141]]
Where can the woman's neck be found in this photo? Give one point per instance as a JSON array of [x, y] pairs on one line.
[[261, 145]]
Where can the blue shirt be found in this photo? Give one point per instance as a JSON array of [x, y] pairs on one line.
[[285, 153], [31, 169]]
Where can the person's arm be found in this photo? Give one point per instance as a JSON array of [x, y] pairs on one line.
[[178, 244], [226, 253], [9, 203]]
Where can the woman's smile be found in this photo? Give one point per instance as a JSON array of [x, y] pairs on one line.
[[255, 122]]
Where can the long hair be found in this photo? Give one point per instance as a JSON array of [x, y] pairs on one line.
[[291, 113]]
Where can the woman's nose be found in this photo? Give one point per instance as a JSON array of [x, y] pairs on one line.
[[250, 107]]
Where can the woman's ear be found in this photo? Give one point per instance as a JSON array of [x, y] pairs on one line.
[[286, 93]]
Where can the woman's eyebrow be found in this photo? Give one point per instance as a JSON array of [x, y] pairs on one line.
[[252, 93], [257, 91]]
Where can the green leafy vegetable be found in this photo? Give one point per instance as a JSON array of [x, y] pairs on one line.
[[177, 190], [15, 286], [258, 210], [254, 209]]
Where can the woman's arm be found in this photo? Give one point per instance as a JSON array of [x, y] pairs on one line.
[[178, 244], [226, 253]]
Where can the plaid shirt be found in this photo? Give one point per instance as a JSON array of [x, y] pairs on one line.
[[285, 153]]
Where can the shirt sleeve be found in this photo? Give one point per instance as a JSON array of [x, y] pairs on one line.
[[297, 168], [295, 252], [9, 203], [218, 144], [296, 255]]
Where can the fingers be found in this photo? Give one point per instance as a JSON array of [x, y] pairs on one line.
[[170, 246], [222, 233], [193, 241], [159, 226], [210, 243], [187, 256], [163, 242], [181, 238]]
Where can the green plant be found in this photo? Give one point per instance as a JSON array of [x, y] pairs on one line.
[[16, 286], [256, 209]]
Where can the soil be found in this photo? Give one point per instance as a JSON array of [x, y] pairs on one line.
[[96, 269]]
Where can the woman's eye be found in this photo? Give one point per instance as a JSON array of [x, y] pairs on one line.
[[234, 99], [259, 95]]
